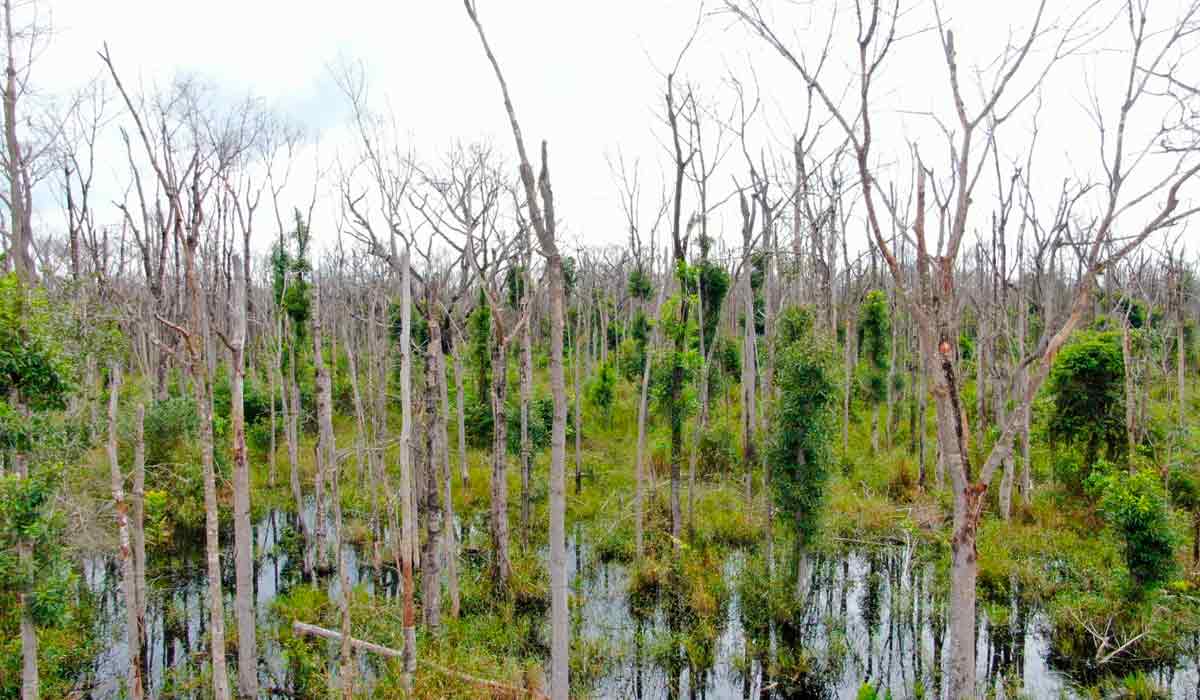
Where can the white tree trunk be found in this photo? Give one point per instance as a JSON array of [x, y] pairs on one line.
[[243, 532], [408, 531], [136, 683], [462, 427]]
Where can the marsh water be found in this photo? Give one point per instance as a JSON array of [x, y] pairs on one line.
[[867, 618]]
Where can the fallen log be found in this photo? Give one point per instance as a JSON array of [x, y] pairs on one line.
[[303, 628]]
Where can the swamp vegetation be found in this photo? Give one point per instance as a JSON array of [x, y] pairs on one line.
[[444, 450]]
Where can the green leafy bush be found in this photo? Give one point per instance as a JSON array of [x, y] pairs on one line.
[[717, 452], [1135, 505], [1087, 381]]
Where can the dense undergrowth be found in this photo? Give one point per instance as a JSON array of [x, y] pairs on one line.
[[1063, 557]]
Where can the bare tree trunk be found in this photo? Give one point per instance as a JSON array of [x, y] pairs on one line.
[[408, 534], [501, 567], [1180, 355], [1022, 379], [326, 453], [1130, 391], [849, 376], [575, 349], [702, 421], [559, 631], [639, 469], [360, 413], [30, 677], [431, 497], [136, 683], [462, 428], [274, 368], [20, 229], [203, 395], [243, 532], [526, 396], [891, 379], [346, 653], [749, 372], [139, 532], [449, 541], [293, 445]]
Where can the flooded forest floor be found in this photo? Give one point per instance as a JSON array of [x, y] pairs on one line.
[[732, 610]]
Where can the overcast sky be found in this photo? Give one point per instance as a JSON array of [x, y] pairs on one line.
[[586, 76]]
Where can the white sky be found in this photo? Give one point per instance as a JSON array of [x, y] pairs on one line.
[[584, 75]]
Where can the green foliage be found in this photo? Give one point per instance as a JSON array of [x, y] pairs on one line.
[[168, 425], [662, 369], [868, 692], [514, 285], [875, 342], [727, 358], [569, 274], [714, 286], [717, 452], [1184, 487], [477, 419], [289, 277], [32, 361], [1089, 401], [256, 404], [418, 331], [802, 421], [479, 349], [633, 348], [639, 284], [602, 390], [28, 517], [631, 360], [1135, 505]]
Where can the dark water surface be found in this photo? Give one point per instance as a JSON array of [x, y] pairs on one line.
[[869, 608]]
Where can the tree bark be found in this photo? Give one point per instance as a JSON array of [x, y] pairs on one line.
[[139, 532], [578, 386], [462, 427], [450, 540], [134, 678], [526, 396], [431, 497], [501, 566], [243, 532], [408, 533], [326, 452]]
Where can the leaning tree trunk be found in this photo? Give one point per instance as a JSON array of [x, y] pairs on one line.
[[134, 678], [243, 533]]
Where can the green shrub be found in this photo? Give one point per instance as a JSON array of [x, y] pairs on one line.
[[1136, 507], [717, 452]]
